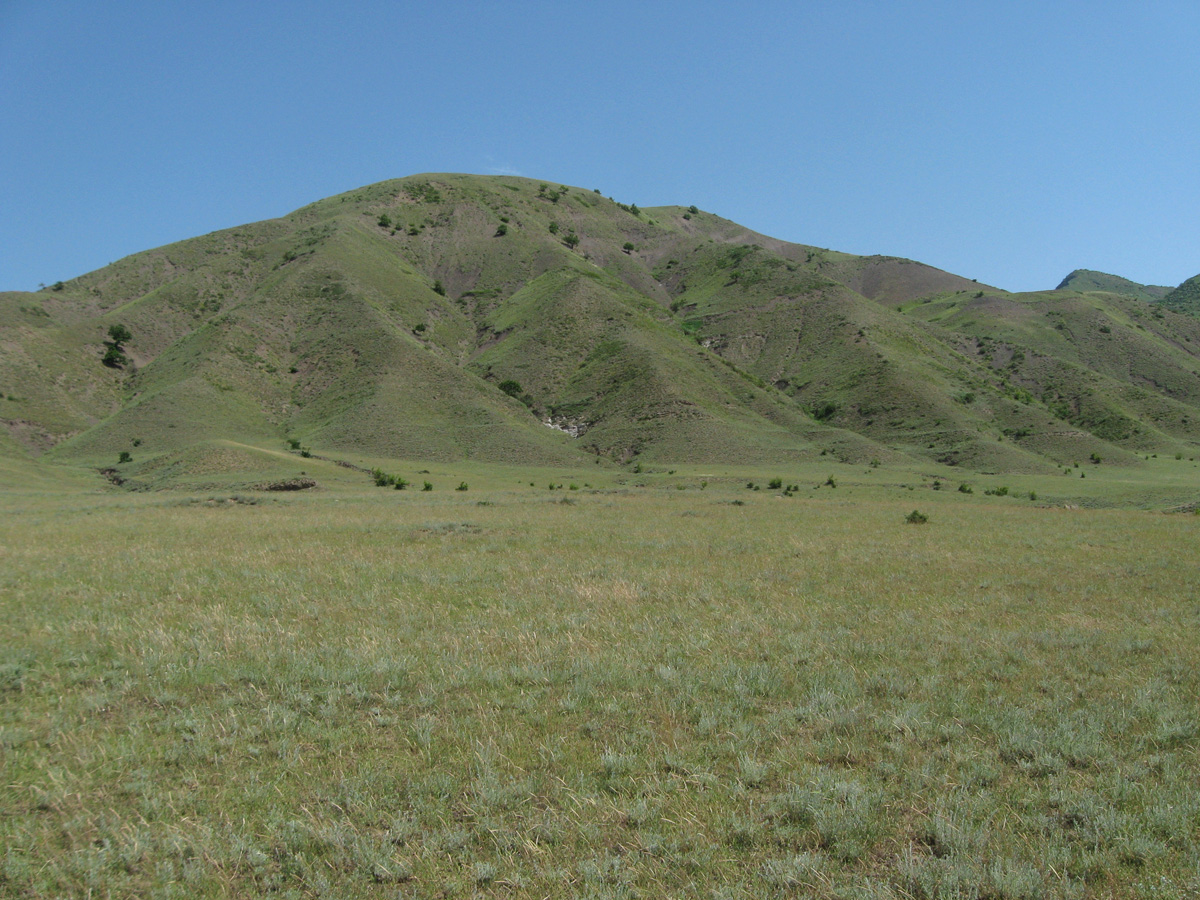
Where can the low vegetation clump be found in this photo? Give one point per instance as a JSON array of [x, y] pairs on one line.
[[114, 348], [384, 479]]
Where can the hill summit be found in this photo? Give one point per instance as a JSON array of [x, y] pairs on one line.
[[499, 318]]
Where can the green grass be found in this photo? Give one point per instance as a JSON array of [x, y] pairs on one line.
[[624, 690]]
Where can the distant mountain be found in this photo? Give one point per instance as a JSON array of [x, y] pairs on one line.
[[1089, 280], [451, 317], [1186, 297]]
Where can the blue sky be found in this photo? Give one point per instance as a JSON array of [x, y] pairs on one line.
[[1009, 142]]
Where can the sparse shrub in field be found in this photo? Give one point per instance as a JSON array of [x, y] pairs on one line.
[[937, 485], [124, 457], [831, 481], [965, 488], [420, 327], [916, 517], [385, 221], [439, 288], [462, 486], [571, 240], [1001, 491], [749, 485], [572, 486], [293, 444], [775, 484], [510, 387], [693, 210], [383, 479], [628, 247], [1096, 459], [501, 230], [874, 463], [1033, 495], [428, 486], [305, 452]]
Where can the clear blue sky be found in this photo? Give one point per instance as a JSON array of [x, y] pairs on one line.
[[1009, 142]]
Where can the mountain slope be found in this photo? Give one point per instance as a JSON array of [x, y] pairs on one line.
[[1089, 280], [1186, 297], [447, 317]]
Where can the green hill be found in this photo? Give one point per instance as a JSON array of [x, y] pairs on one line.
[[456, 317], [1089, 280], [1186, 297]]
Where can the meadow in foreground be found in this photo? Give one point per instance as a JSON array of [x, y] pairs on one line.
[[627, 693]]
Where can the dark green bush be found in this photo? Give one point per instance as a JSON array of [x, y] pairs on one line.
[[916, 518], [113, 357], [823, 411]]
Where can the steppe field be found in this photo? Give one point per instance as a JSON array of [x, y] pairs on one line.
[[659, 684]]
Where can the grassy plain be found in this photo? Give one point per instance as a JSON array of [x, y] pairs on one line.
[[640, 688]]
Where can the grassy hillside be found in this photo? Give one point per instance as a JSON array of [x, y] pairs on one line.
[[456, 317], [1089, 280], [1186, 297]]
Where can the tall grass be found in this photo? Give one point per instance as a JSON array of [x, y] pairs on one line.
[[635, 694]]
